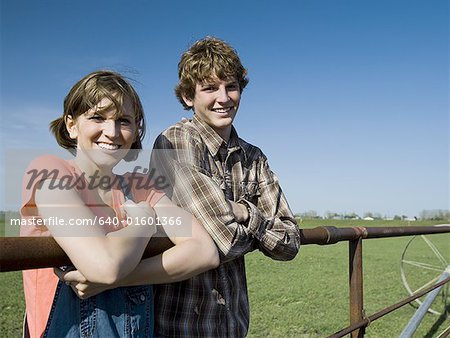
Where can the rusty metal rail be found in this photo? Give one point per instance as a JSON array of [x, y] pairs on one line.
[[17, 253], [330, 235], [23, 253], [385, 311]]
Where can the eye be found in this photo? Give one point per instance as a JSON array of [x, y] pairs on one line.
[[124, 121], [233, 86], [209, 88], [96, 117]]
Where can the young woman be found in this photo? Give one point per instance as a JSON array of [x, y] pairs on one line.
[[103, 221]]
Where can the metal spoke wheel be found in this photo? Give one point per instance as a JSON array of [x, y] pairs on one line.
[[423, 261]]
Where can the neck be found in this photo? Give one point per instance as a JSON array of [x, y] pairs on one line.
[[224, 133], [91, 171]]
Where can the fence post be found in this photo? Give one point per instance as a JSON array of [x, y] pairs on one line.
[[356, 285]]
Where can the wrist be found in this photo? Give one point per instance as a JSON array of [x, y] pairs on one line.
[[246, 211]]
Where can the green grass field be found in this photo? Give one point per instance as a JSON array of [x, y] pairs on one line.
[[308, 297]]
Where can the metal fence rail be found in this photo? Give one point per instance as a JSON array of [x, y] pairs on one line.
[[355, 235], [21, 253], [365, 322]]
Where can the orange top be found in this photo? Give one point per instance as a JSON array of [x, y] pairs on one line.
[[40, 284]]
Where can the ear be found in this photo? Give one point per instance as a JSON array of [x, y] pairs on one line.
[[71, 127], [188, 101]]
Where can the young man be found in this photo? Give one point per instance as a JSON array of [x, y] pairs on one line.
[[226, 183]]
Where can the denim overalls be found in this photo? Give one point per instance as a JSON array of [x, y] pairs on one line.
[[121, 312]]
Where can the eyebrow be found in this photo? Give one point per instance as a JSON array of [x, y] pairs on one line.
[[103, 111], [215, 83]]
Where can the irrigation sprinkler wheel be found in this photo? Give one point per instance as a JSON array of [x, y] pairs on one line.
[[423, 260]]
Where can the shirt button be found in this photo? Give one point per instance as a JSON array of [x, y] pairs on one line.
[[142, 297]]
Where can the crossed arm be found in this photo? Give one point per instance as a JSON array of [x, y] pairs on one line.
[[269, 226], [105, 260], [236, 227]]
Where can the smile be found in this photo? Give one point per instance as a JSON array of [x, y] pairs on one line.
[[108, 146], [222, 110]]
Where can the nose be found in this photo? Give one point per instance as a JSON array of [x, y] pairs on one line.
[[222, 94], [110, 128]]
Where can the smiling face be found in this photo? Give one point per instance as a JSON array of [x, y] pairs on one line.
[[103, 136], [216, 102]]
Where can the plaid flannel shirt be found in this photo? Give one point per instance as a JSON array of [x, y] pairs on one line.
[[215, 303]]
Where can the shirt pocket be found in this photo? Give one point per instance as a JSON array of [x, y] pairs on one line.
[[219, 181], [249, 190]]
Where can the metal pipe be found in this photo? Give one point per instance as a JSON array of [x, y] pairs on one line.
[[329, 234], [416, 319], [444, 334], [356, 285], [385, 311], [21, 253]]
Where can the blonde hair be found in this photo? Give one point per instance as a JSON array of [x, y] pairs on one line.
[[205, 59], [87, 93]]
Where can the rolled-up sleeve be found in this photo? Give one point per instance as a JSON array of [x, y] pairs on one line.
[[271, 221]]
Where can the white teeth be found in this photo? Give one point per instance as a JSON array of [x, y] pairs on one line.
[[222, 110], [108, 146]]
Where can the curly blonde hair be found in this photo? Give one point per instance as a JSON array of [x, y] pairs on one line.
[[205, 59]]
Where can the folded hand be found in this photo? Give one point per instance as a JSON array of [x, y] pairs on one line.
[[79, 284]]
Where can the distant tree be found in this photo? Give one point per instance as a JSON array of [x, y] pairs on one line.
[[368, 214], [377, 215], [397, 218], [435, 215], [331, 215], [311, 214], [351, 215]]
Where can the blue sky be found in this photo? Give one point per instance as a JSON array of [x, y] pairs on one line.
[[348, 99]]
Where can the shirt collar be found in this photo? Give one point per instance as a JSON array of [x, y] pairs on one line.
[[213, 140]]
